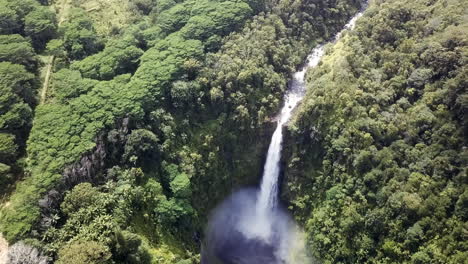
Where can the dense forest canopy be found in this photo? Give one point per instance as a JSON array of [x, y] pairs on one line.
[[123, 123], [377, 159], [142, 128], [24, 28]]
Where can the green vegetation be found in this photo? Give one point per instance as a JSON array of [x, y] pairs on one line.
[[152, 124], [78, 36], [158, 109], [119, 57], [16, 49], [25, 26], [84, 252], [41, 26], [377, 160]]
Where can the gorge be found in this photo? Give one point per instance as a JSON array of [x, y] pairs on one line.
[[251, 226], [144, 131]]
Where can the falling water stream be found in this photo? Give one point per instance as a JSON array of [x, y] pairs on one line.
[[250, 227]]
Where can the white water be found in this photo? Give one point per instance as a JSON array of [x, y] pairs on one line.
[[268, 196]]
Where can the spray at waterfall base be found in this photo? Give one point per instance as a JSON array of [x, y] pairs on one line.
[[251, 226], [237, 234]]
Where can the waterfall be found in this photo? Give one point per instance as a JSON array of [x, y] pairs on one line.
[[268, 195], [250, 226], [269, 187]]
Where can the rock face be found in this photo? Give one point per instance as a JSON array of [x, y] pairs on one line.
[[21, 253], [89, 168], [292, 164]]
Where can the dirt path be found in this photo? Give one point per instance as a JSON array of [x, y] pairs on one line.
[[62, 13], [3, 250], [45, 86]]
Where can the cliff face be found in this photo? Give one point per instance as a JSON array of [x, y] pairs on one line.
[[239, 164], [243, 165], [301, 159], [90, 168]]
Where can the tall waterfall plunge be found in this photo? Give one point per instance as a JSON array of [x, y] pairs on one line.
[[250, 226], [268, 195]]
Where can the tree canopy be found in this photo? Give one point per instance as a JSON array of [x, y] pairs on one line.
[[150, 119], [377, 152]]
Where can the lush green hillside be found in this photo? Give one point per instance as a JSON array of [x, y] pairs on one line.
[[25, 28], [147, 124], [376, 165]]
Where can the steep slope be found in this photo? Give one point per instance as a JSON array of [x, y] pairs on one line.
[[376, 163]]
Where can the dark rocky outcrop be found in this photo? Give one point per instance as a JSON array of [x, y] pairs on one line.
[[90, 168]]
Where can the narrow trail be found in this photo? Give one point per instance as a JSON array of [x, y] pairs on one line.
[[3, 242], [3, 250], [4, 203], [45, 86], [62, 14]]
